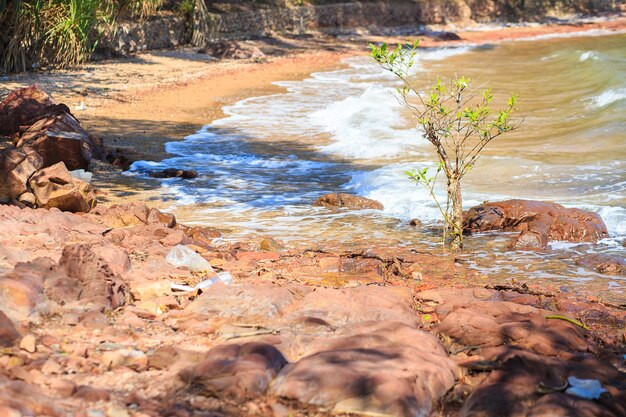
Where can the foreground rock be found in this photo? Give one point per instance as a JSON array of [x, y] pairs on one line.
[[94, 321], [55, 187], [353, 202], [24, 107], [539, 222]]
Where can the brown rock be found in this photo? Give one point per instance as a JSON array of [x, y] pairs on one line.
[[8, 332], [16, 168], [335, 201], [24, 106], [202, 236], [55, 187], [239, 371], [20, 294], [539, 222]]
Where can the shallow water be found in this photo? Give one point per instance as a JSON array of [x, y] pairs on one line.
[[343, 130]]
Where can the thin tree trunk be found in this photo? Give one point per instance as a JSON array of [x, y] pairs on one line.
[[455, 222]]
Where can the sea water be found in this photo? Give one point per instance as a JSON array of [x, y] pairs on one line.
[[345, 131]]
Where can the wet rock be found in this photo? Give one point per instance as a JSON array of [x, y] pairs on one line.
[[239, 371], [415, 222], [448, 36], [232, 50], [270, 245], [353, 202], [8, 332], [539, 222], [175, 173], [603, 263], [55, 187], [16, 168]]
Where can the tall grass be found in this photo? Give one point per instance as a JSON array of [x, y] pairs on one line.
[[59, 33]]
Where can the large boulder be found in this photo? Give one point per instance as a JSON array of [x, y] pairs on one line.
[[538, 221], [232, 50], [335, 201], [55, 187], [60, 138], [16, 168], [24, 106]]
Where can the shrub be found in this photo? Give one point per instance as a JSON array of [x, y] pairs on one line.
[[457, 118]]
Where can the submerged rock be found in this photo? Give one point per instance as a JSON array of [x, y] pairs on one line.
[[335, 201], [539, 222], [603, 263], [175, 173]]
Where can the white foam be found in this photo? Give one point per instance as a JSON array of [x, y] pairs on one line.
[[609, 97], [592, 55]]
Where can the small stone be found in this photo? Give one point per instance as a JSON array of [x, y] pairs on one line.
[[70, 319], [115, 410], [94, 320], [270, 245], [51, 367], [28, 343], [130, 358], [151, 289]]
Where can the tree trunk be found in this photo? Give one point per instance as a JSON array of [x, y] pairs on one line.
[[455, 221]]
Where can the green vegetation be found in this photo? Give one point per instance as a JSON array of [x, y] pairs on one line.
[[59, 33], [458, 120]]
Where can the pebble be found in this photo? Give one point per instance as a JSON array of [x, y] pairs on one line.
[[28, 343]]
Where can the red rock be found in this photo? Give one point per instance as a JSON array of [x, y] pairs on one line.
[[539, 222], [335, 201], [55, 187], [24, 106], [16, 168], [202, 236], [57, 139]]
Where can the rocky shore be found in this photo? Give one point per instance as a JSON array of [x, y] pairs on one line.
[[119, 310], [96, 322]]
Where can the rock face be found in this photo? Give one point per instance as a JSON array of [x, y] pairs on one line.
[[16, 168], [336, 201], [55, 187], [539, 222], [60, 138]]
